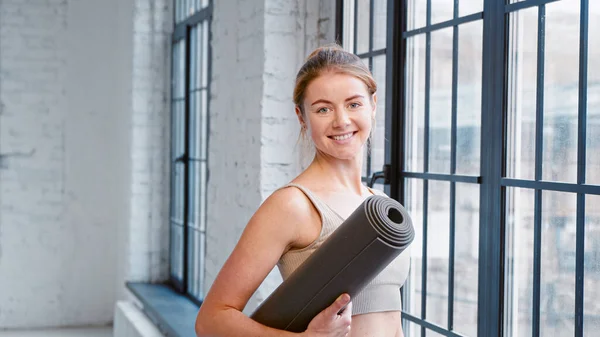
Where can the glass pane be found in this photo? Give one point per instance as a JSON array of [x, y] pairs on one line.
[[196, 263], [519, 262], [179, 136], [379, 24], [412, 289], [441, 10], [468, 105], [378, 140], [593, 108], [176, 251], [204, 59], [431, 333], [203, 106], [411, 329], [197, 190], [591, 305], [192, 261], [557, 288], [180, 69], [194, 145], [561, 91], [440, 109], [194, 45], [466, 261], [438, 248], [416, 14], [415, 103], [466, 7], [204, 3], [522, 70], [178, 191], [362, 26]]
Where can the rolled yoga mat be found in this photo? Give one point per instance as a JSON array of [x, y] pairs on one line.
[[351, 257]]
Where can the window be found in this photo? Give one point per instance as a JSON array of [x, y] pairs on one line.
[[189, 139], [490, 137], [365, 36]]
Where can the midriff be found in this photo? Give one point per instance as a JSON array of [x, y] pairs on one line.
[[377, 324]]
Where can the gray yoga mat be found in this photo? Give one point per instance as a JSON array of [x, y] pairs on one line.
[[372, 237]]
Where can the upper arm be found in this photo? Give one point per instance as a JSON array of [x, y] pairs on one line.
[[270, 232]]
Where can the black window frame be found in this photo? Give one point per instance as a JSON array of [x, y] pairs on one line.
[[492, 179], [183, 26]]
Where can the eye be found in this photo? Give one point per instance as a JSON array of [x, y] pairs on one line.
[[354, 105], [323, 110]]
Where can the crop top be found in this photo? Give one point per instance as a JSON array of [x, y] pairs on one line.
[[382, 293]]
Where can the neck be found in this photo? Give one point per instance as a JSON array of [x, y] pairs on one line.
[[344, 175]]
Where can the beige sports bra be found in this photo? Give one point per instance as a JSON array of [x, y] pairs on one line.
[[382, 293]]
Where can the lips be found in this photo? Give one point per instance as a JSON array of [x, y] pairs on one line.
[[343, 136]]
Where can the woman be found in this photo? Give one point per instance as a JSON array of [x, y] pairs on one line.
[[335, 98]]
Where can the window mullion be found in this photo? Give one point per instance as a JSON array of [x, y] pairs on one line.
[[492, 196]]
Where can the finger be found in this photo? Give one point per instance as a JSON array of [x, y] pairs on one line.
[[339, 303]]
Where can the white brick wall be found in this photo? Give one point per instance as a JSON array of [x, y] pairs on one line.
[[67, 90], [147, 248], [258, 47]]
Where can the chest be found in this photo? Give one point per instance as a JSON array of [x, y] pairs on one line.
[[343, 205]]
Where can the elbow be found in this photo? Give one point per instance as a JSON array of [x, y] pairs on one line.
[[201, 326]]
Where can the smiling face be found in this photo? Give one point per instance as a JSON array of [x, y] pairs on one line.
[[338, 111]]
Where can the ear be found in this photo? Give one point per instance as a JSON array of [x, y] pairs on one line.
[[299, 115], [374, 100]]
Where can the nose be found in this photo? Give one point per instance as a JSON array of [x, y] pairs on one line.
[[342, 119]]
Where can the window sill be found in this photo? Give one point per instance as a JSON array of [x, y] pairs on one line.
[[172, 313]]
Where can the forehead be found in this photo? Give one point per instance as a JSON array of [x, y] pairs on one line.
[[335, 85]]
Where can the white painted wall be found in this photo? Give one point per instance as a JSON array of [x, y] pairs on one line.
[[65, 170]]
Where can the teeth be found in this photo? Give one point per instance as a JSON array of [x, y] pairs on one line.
[[342, 137]]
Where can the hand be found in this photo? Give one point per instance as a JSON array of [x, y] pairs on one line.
[[331, 322]]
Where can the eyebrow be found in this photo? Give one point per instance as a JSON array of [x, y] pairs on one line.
[[328, 102]]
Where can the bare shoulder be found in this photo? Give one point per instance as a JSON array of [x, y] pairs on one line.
[[288, 210]]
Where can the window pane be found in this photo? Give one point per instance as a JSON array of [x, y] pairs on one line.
[[466, 258], [557, 288], [518, 298], [438, 248], [379, 24], [194, 47], [561, 94], [521, 103], [196, 262], [593, 112], [197, 190], [378, 140], [203, 106], [440, 111], [441, 10], [415, 103], [204, 60], [416, 14], [468, 109], [362, 26], [176, 249], [466, 7], [412, 289], [591, 305], [411, 329]]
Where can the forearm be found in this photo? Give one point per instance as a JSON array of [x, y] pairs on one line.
[[231, 322]]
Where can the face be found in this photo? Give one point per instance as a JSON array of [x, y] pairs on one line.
[[338, 112]]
